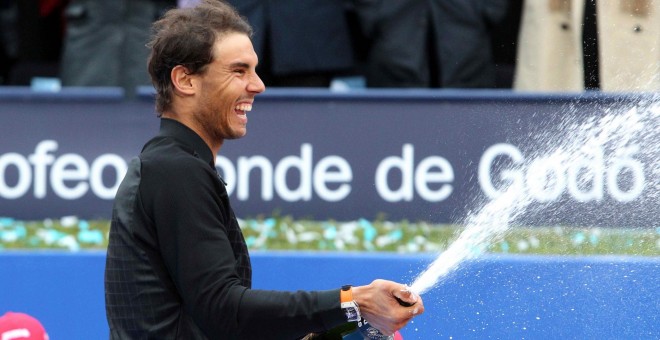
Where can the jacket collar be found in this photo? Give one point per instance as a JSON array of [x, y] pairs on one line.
[[173, 128]]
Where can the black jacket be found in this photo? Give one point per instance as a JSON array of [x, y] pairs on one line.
[[177, 265]]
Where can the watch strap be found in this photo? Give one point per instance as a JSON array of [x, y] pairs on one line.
[[346, 294], [349, 305]]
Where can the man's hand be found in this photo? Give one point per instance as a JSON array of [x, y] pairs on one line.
[[379, 306]]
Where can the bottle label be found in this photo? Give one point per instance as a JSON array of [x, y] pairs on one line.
[[372, 333]]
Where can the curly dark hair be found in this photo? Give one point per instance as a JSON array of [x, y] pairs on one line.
[[186, 36]]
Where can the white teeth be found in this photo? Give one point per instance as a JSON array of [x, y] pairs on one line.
[[244, 107]]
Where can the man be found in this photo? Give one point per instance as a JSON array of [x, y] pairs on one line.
[[431, 43], [8, 38], [177, 264], [104, 42], [581, 45], [284, 28]]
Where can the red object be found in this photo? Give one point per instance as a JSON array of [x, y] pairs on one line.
[[397, 336], [20, 326], [46, 7]]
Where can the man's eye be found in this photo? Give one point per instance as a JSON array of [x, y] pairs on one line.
[[239, 71]]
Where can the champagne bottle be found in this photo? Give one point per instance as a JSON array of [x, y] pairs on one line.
[[371, 333]]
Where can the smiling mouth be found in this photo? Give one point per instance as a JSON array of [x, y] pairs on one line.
[[243, 108]]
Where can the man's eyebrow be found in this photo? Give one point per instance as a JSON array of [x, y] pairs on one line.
[[239, 64]]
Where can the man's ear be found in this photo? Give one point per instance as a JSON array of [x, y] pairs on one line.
[[182, 80]]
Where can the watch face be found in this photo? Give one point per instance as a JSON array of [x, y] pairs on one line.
[[351, 313]]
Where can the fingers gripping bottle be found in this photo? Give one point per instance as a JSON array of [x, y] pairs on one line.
[[364, 330]]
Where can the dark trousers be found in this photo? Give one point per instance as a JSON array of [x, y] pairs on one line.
[[105, 42], [430, 43]]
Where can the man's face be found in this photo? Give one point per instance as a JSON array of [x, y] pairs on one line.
[[228, 88]]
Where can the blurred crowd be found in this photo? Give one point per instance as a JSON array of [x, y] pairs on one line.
[[534, 45]]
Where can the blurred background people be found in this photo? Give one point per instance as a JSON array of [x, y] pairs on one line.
[[299, 43], [533, 45], [436, 43], [8, 38], [105, 42], [30, 39], [573, 45], [403, 43]]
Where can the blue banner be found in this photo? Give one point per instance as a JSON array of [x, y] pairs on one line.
[[419, 155]]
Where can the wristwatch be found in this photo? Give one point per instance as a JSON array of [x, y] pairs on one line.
[[348, 305]]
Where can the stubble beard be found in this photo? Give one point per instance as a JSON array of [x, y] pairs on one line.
[[216, 124]]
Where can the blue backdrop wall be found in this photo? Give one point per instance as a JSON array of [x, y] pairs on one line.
[[517, 297]]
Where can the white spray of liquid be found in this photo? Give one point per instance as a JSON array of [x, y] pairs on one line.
[[621, 135]]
